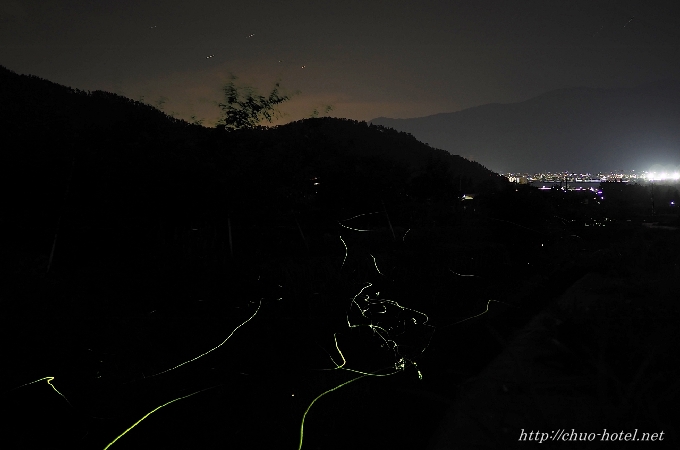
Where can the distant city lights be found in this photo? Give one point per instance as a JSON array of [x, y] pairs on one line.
[[663, 176], [659, 172], [574, 180]]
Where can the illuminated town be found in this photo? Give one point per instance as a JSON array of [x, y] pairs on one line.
[[571, 178]]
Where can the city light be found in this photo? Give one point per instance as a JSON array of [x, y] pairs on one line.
[[581, 181], [659, 172], [663, 176]]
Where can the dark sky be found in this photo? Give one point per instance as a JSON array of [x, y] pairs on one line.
[[365, 58]]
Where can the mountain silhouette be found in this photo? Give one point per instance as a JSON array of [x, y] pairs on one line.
[[103, 186], [575, 129]]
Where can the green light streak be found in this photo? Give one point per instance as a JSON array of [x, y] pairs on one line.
[[477, 315], [375, 263], [212, 349], [151, 412], [341, 367], [345, 258], [302, 425], [49, 381]]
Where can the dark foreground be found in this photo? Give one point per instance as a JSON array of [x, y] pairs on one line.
[[585, 338]]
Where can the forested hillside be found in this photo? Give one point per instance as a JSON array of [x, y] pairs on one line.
[[102, 187]]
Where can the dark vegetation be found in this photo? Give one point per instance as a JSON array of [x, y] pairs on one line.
[[132, 242]]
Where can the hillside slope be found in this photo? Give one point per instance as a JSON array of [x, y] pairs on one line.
[[105, 187]]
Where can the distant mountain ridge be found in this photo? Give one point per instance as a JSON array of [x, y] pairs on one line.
[[39, 114], [576, 129]]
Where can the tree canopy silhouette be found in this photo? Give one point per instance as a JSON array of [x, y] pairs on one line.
[[245, 108]]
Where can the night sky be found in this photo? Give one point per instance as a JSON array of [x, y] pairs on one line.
[[366, 59]]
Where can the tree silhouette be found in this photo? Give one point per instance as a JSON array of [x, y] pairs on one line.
[[326, 110], [245, 108]]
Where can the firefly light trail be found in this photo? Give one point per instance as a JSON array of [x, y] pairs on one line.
[[387, 319], [212, 349], [151, 412], [49, 381]]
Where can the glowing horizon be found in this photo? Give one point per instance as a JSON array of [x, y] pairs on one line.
[[662, 173]]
